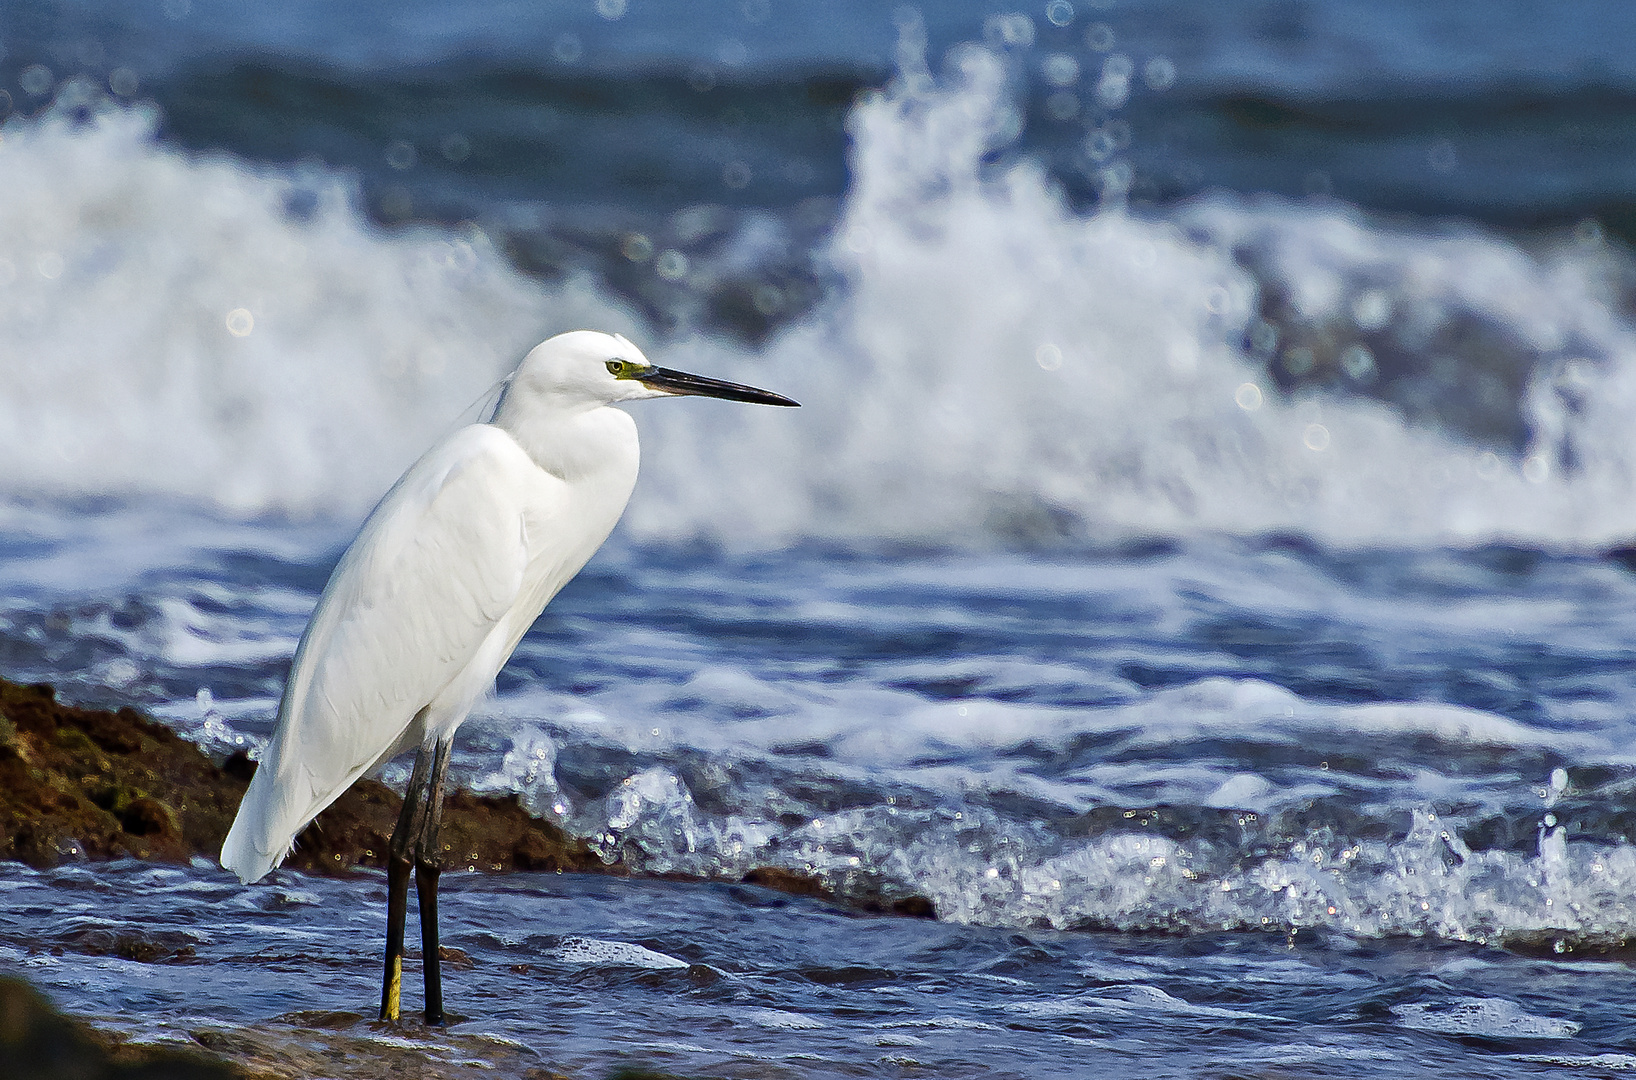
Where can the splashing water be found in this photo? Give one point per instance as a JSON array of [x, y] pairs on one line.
[[993, 368]]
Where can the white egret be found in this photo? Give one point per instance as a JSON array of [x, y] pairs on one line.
[[445, 577]]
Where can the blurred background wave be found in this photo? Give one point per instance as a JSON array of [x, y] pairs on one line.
[[1351, 270]]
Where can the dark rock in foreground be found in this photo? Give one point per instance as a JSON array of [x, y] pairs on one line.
[[39, 1043]]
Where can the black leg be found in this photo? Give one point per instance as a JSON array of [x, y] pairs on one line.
[[428, 867], [398, 859]]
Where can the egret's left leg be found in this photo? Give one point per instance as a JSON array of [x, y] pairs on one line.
[[428, 867]]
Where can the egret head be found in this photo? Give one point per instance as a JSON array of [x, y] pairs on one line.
[[585, 368]]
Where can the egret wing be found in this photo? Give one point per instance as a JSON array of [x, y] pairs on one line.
[[436, 568]]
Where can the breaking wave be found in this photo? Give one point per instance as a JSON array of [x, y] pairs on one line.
[[992, 367]]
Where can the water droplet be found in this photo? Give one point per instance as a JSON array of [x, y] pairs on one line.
[[1358, 363], [671, 265], [1062, 106], [1014, 30], [240, 322], [1588, 232], [123, 81], [1372, 309], [400, 155], [1159, 73], [637, 248], [1316, 437], [1248, 396], [1298, 361], [567, 48], [1060, 69], [455, 148], [1059, 12]]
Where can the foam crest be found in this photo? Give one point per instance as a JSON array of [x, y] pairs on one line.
[[594, 952], [192, 327], [1491, 1018], [1000, 368], [992, 367]]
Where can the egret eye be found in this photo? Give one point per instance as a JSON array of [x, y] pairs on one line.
[[624, 369]]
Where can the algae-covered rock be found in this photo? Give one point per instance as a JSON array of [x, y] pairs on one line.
[[93, 784]]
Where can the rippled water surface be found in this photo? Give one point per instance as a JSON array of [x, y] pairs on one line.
[[1332, 784], [735, 981]]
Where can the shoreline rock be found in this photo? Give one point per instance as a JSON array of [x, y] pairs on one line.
[[80, 785]]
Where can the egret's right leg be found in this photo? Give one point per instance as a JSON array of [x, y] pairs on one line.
[[428, 868], [398, 860]]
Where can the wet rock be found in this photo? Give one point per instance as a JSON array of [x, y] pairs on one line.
[[348, 1047], [93, 784], [90, 784], [867, 897], [39, 1043], [148, 947], [787, 881]]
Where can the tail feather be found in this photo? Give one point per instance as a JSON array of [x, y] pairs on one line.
[[254, 845], [283, 798]]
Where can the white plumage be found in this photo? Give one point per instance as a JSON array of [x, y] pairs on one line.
[[445, 577]]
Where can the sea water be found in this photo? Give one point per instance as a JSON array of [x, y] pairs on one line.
[[1186, 570]]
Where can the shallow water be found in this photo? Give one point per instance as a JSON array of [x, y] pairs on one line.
[[736, 981]]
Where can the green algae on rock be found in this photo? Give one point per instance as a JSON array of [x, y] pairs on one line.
[[79, 784]]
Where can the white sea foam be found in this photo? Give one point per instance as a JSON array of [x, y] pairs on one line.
[[593, 952], [1597, 1062], [994, 367], [1002, 367], [778, 1019], [169, 327], [1493, 1018]]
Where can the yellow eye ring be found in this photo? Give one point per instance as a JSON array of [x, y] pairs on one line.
[[624, 369]]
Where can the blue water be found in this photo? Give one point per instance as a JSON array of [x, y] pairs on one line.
[[736, 981], [1189, 569]]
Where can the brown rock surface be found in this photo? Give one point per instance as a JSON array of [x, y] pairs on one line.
[[90, 784]]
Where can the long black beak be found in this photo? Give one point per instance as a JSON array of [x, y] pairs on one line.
[[680, 382]]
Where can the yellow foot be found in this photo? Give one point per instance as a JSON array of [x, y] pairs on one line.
[[394, 991]]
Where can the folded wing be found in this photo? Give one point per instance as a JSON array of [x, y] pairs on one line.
[[433, 574]]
